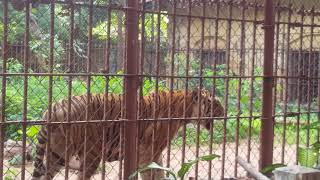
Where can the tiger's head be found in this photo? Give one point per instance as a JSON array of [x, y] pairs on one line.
[[209, 107]]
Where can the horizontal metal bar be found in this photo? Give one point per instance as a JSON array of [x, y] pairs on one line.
[[39, 122], [297, 24], [147, 75]]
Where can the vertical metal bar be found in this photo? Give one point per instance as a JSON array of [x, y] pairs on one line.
[[252, 79], [51, 61], [123, 114], [286, 95], [310, 60], [286, 71], [202, 18], [88, 70], [157, 73], [283, 60], [226, 81], [242, 39], [318, 95], [184, 127], [299, 83], [156, 102], [152, 38], [5, 49], [141, 72], [275, 93], [318, 99], [131, 89], [173, 49], [216, 32], [142, 50], [106, 95], [266, 137], [120, 50], [25, 85], [70, 70], [241, 72]]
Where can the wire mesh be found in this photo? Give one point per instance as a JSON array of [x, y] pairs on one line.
[[58, 53]]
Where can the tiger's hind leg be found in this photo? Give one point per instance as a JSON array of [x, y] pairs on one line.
[[90, 162], [55, 164], [54, 159]]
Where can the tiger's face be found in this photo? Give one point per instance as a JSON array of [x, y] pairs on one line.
[[210, 107]]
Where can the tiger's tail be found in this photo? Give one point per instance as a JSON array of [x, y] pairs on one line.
[[39, 167]]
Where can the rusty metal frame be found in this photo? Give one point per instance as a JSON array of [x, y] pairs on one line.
[[266, 148], [3, 83], [277, 18], [131, 87]]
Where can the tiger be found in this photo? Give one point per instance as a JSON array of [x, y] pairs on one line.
[[186, 106]]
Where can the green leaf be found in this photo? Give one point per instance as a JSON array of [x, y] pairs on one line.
[[32, 131], [270, 168], [151, 166], [187, 166], [19, 132], [313, 125], [209, 157], [307, 156], [316, 145]]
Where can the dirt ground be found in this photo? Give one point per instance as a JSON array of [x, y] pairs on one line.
[[230, 169]]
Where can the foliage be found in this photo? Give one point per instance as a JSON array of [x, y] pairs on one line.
[[308, 156], [40, 23], [15, 160], [218, 133], [31, 133], [10, 174], [185, 168], [154, 166], [268, 169], [220, 83], [151, 24], [247, 87]]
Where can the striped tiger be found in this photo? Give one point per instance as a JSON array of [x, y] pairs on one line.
[[111, 140]]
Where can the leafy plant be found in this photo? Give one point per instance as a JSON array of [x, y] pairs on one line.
[[270, 168], [155, 166], [174, 175], [31, 133], [15, 160], [10, 174], [308, 156]]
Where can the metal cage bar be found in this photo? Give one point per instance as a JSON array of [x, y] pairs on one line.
[[242, 52], [266, 149]]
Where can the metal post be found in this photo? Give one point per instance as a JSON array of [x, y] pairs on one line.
[[4, 84], [266, 136], [131, 87]]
